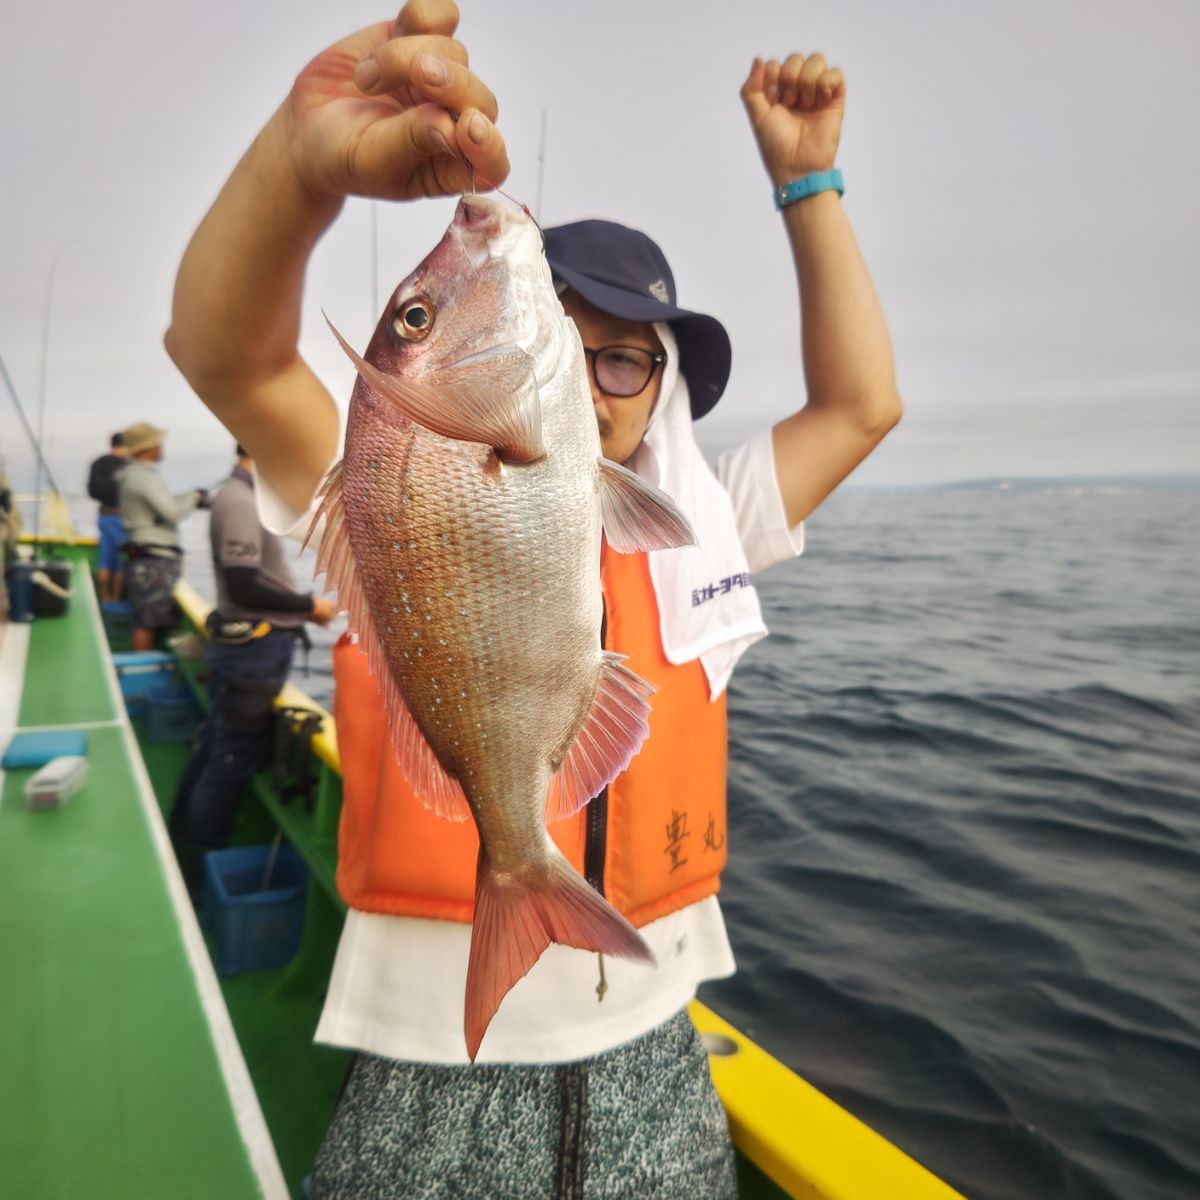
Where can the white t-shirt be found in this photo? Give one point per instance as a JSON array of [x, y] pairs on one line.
[[398, 983]]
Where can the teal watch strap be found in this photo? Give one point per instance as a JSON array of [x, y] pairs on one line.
[[809, 185]]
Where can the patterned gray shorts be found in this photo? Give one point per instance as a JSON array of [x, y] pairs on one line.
[[151, 591], [641, 1121]]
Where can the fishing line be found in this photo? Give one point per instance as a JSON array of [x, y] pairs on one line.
[[474, 174], [498, 190]]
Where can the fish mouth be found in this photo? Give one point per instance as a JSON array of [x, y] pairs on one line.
[[489, 221]]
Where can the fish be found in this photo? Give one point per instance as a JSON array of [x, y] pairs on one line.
[[463, 530]]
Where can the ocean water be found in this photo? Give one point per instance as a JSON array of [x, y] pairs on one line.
[[964, 890]]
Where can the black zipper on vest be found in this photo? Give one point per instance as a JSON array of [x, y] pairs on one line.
[[596, 831], [594, 841]]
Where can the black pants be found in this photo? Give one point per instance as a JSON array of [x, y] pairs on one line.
[[243, 682]]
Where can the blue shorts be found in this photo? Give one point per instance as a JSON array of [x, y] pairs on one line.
[[112, 538]]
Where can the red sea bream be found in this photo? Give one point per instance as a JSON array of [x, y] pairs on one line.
[[463, 531]]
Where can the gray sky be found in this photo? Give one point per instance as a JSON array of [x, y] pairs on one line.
[[1023, 179]]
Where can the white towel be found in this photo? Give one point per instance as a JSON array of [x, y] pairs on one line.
[[708, 608]]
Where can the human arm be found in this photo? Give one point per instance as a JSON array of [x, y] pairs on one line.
[[795, 109], [248, 589], [236, 317], [149, 487], [239, 547]]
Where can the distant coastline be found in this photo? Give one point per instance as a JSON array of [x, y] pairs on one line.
[[1169, 482]]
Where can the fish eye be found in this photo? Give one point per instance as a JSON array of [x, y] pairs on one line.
[[413, 319]]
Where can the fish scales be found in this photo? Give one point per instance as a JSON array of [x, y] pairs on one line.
[[459, 575], [463, 532]]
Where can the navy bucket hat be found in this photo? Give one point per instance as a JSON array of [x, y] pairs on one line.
[[623, 273]]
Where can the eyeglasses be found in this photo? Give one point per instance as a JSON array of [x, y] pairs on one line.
[[623, 370]]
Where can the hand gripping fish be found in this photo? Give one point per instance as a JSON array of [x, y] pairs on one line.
[[463, 529]]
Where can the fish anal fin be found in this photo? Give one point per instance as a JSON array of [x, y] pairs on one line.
[[638, 516], [431, 783], [616, 725], [490, 398], [518, 915]]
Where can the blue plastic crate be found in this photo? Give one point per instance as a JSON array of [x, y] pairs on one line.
[[254, 929], [118, 620], [140, 672], [172, 714]]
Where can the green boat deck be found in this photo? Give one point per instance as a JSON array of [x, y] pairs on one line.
[[117, 1073]]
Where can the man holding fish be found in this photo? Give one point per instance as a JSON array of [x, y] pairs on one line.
[[549, 589]]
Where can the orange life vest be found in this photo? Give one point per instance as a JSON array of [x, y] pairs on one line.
[[659, 832]]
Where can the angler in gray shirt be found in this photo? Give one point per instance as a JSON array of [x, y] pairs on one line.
[[151, 515], [252, 632], [254, 581]]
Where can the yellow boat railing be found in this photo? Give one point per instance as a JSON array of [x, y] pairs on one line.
[[796, 1135]]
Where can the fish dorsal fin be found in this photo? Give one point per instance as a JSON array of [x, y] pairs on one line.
[[430, 781], [491, 398], [613, 732], [638, 516]]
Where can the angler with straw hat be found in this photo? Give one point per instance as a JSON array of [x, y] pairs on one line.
[[151, 516]]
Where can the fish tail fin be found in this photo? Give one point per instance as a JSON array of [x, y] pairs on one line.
[[515, 920]]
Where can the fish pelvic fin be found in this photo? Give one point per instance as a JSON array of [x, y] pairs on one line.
[[517, 917], [437, 788], [491, 398], [616, 725], [638, 516]]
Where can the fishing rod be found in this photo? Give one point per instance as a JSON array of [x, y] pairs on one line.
[[541, 161], [41, 434], [33, 440]]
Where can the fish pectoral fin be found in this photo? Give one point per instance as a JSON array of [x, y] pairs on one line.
[[616, 725], [516, 920], [494, 394], [638, 516], [491, 398]]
